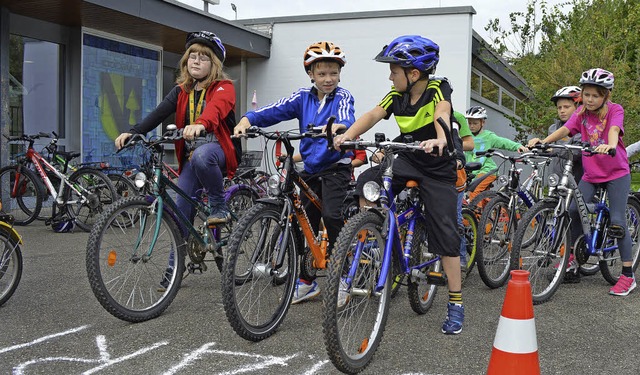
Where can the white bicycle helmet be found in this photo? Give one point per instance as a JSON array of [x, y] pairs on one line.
[[323, 51], [598, 77], [568, 92], [476, 112]]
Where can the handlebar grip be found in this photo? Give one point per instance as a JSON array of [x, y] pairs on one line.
[[612, 152], [330, 122]]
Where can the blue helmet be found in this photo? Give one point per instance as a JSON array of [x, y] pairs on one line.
[[208, 39], [411, 51]]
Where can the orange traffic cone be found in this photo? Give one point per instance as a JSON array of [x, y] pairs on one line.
[[515, 348]]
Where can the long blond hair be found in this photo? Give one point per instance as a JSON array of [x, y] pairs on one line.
[[216, 74], [602, 112]]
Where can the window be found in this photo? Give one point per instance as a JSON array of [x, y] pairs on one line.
[[475, 82], [490, 90], [35, 89], [507, 101]]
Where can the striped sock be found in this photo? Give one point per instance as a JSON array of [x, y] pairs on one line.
[[455, 297]]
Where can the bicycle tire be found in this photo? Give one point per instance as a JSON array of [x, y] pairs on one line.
[[10, 265], [470, 232], [351, 352], [119, 267], [249, 282], [27, 204], [85, 209], [479, 202], [495, 243], [611, 265], [421, 293], [545, 258]]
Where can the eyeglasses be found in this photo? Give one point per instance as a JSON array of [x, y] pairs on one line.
[[202, 58]]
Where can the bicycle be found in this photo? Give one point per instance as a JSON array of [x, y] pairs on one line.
[[136, 251], [500, 216], [261, 266], [81, 196], [545, 252], [10, 258], [356, 302]]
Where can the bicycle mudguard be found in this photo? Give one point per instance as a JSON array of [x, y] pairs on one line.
[[11, 232], [271, 201], [237, 187], [474, 184]]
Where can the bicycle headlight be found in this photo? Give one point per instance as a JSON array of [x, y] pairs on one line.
[[274, 185], [371, 191], [553, 180], [140, 180]]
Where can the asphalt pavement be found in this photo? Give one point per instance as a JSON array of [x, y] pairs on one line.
[[54, 325]]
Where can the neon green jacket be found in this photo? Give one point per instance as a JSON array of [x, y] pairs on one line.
[[485, 140]]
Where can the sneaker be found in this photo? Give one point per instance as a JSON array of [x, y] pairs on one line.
[[343, 295], [624, 286], [166, 279], [572, 265], [455, 317], [219, 215], [304, 291]]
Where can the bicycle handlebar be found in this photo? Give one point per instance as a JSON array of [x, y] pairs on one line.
[[590, 151], [170, 135]]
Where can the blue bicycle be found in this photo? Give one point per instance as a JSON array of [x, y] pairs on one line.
[[542, 241], [371, 244]]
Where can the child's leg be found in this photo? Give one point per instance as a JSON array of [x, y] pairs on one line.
[[618, 191]]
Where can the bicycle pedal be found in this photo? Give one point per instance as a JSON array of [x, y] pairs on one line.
[[193, 267], [436, 278]]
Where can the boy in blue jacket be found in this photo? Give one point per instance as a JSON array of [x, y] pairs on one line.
[[327, 172]]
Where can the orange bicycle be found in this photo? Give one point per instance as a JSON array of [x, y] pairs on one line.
[[261, 265]]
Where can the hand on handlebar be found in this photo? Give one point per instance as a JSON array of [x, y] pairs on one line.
[[340, 139], [430, 144], [603, 149], [190, 132], [122, 140], [533, 141]]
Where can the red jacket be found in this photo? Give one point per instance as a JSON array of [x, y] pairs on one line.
[[218, 117]]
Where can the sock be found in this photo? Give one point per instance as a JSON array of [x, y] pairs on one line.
[[627, 271], [455, 297], [305, 281]]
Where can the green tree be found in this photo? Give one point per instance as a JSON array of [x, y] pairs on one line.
[[571, 38]]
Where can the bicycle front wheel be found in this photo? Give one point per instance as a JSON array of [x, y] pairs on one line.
[[92, 192], [135, 260], [611, 264], [546, 254], [10, 266], [256, 292], [495, 242], [355, 313], [22, 194]]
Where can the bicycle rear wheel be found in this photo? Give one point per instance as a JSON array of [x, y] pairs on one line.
[[547, 254], [256, 295], [355, 313], [130, 280], [123, 185], [470, 232], [421, 293], [21, 198], [10, 266], [495, 243], [611, 264], [95, 193]]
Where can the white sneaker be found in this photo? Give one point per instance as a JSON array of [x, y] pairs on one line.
[[343, 294], [304, 291]]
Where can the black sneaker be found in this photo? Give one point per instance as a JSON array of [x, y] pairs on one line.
[[572, 277]]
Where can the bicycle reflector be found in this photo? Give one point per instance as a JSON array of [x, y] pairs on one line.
[[371, 191]]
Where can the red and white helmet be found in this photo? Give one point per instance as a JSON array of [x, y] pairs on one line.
[[568, 92], [323, 51], [598, 77]]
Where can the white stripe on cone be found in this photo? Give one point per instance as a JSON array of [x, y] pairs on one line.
[[516, 336]]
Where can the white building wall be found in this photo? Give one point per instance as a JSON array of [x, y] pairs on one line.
[[361, 39]]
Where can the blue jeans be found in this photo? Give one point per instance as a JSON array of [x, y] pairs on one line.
[[202, 171]]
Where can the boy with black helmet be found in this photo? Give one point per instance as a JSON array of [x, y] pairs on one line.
[[327, 172], [416, 101]]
